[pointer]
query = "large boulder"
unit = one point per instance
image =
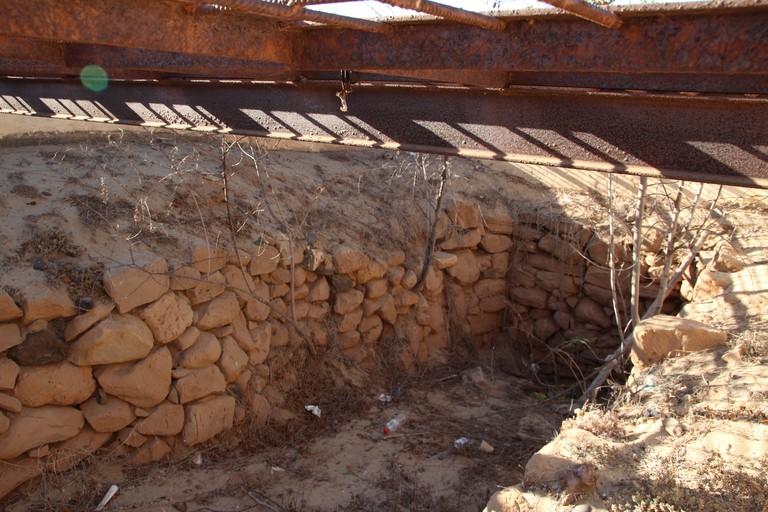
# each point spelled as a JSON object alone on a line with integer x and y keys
{"x": 207, "y": 418}
{"x": 131, "y": 286}
{"x": 116, "y": 339}
{"x": 55, "y": 384}
{"x": 667, "y": 336}
{"x": 143, "y": 383}
{"x": 36, "y": 426}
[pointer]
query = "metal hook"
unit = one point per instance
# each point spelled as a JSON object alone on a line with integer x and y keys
{"x": 346, "y": 88}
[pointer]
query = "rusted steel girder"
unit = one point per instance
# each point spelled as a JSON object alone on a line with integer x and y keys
{"x": 719, "y": 139}
{"x": 698, "y": 47}
{"x": 684, "y": 47}
{"x": 161, "y": 26}
{"x": 587, "y": 11}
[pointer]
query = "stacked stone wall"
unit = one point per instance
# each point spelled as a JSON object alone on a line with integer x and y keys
{"x": 177, "y": 356}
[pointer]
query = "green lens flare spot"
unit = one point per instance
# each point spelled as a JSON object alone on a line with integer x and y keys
{"x": 94, "y": 78}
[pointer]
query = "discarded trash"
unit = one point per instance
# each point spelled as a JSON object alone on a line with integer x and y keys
{"x": 485, "y": 447}
{"x": 538, "y": 395}
{"x": 385, "y": 398}
{"x": 197, "y": 460}
{"x": 110, "y": 493}
{"x": 651, "y": 411}
{"x": 314, "y": 409}
{"x": 394, "y": 423}
{"x": 460, "y": 443}
{"x": 397, "y": 391}
{"x": 276, "y": 469}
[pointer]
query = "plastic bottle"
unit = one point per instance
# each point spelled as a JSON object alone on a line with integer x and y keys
{"x": 394, "y": 423}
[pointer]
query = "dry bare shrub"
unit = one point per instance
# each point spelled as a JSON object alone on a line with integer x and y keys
{"x": 50, "y": 243}
{"x": 601, "y": 422}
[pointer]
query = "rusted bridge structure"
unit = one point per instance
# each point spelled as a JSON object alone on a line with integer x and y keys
{"x": 677, "y": 90}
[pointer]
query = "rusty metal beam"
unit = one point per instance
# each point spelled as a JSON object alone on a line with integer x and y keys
{"x": 686, "y": 41}
{"x": 296, "y": 12}
{"x": 160, "y": 26}
{"x": 715, "y": 138}
{"x": 31, "y": 50}
{"x": 587, "y": 11}
{"x": 449, "y": 13}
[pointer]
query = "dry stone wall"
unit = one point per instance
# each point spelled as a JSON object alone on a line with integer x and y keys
{"x": 179, "y": 355}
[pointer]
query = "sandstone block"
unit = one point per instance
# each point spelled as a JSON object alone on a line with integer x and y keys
{"x": 483, "y": 323}
{"x": 5, "y": 423}
{"x": 116, "y": 339}
{"x": 207, "y": 288}
{"x": 443, "y": 260}
{"x": 653, "y": 237}
{"x": 133, "y": 286}
{"x": 144, "y": 383}
{"x": 552, "y": 281}
{"x": 152, "y": 451}
{"x": 500, "y": 224}
{"x": 349, "y": 321}
{"x": 264, "y": 259}
{"x": 239, "y": 257}
{"x": 168, "y": 317}
{"x": 388, "y": 310}
{"x": 166, "y": 420}
{"x": 493, "y": 243}
{"x": 349, "y": 339}
{"x": 10, "y": 336}
{"x": 81, "y": 323}
{"x": 320, "y": 291}
{"x": 205, "y": 352}
{"x": 348, "y": 301}
{"x": 8, "y": 308}
{"x": 458, "y": 238}
{"x": 262, "y": 337}
{"x": 43, "y": 303}
{"x": 409, "y": 279}
{"x": 395, "y": 275}
{"x": 72, "y": 451}
{"x": 374, "y": 270}
{"x": 533, "y": 297}
{"x": 602, "y": 277}
{"x": 36, "y": 426}
{"x": 544, "y": 327}
{"x": 187, "y": 338}
{"x": 218, "y": 312}
{"x": 261, "y": 410}
{"x": 54, "y": 384}
{"x": 10, "y": 403}
{"x": 465, "y": 215}
{"x": 406, "y": 298}
{"x": 545, "y": 262}
{"x": 239, "y": 281}
{"x": 257, "y": 309}
{"x": 370, "y": 328}
{"x": 589, "y": 311}
{"x": 131, "y": 437}
{"x": 111, "y": 416}
{"x": 466, "y": 270}
{"x": 599, "y": 249}
{"x": 347, "y": 260}
{"x": 200, "y": 383}
{"x": 207, "y": 418}
{"x": 233, "y": 359}
{"x": 376, "y": 288}
{"x": 184, "y": 278}
{"x": 9, "y": 371}
{"x": 490, "y": 288}
{"x": 207, "y": 259}
{"x": 559, "y": 248}
{"x": 280, "y": 335}
{"x": 492, "y": 304}
{"x": 669, "y": 336}
{"x": 434, "y": 281}
{"x": 16, "y": 472}
{"x": 564, "y": 320}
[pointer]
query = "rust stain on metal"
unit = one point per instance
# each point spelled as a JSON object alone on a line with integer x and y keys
{"x": 587, "y": 11}
{"x": 449, "y": 13}
{"x": 159, "y": 26}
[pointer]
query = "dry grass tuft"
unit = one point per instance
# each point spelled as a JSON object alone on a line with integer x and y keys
{"x": 51, "y": 243}
{"x": 601, "y": 422}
